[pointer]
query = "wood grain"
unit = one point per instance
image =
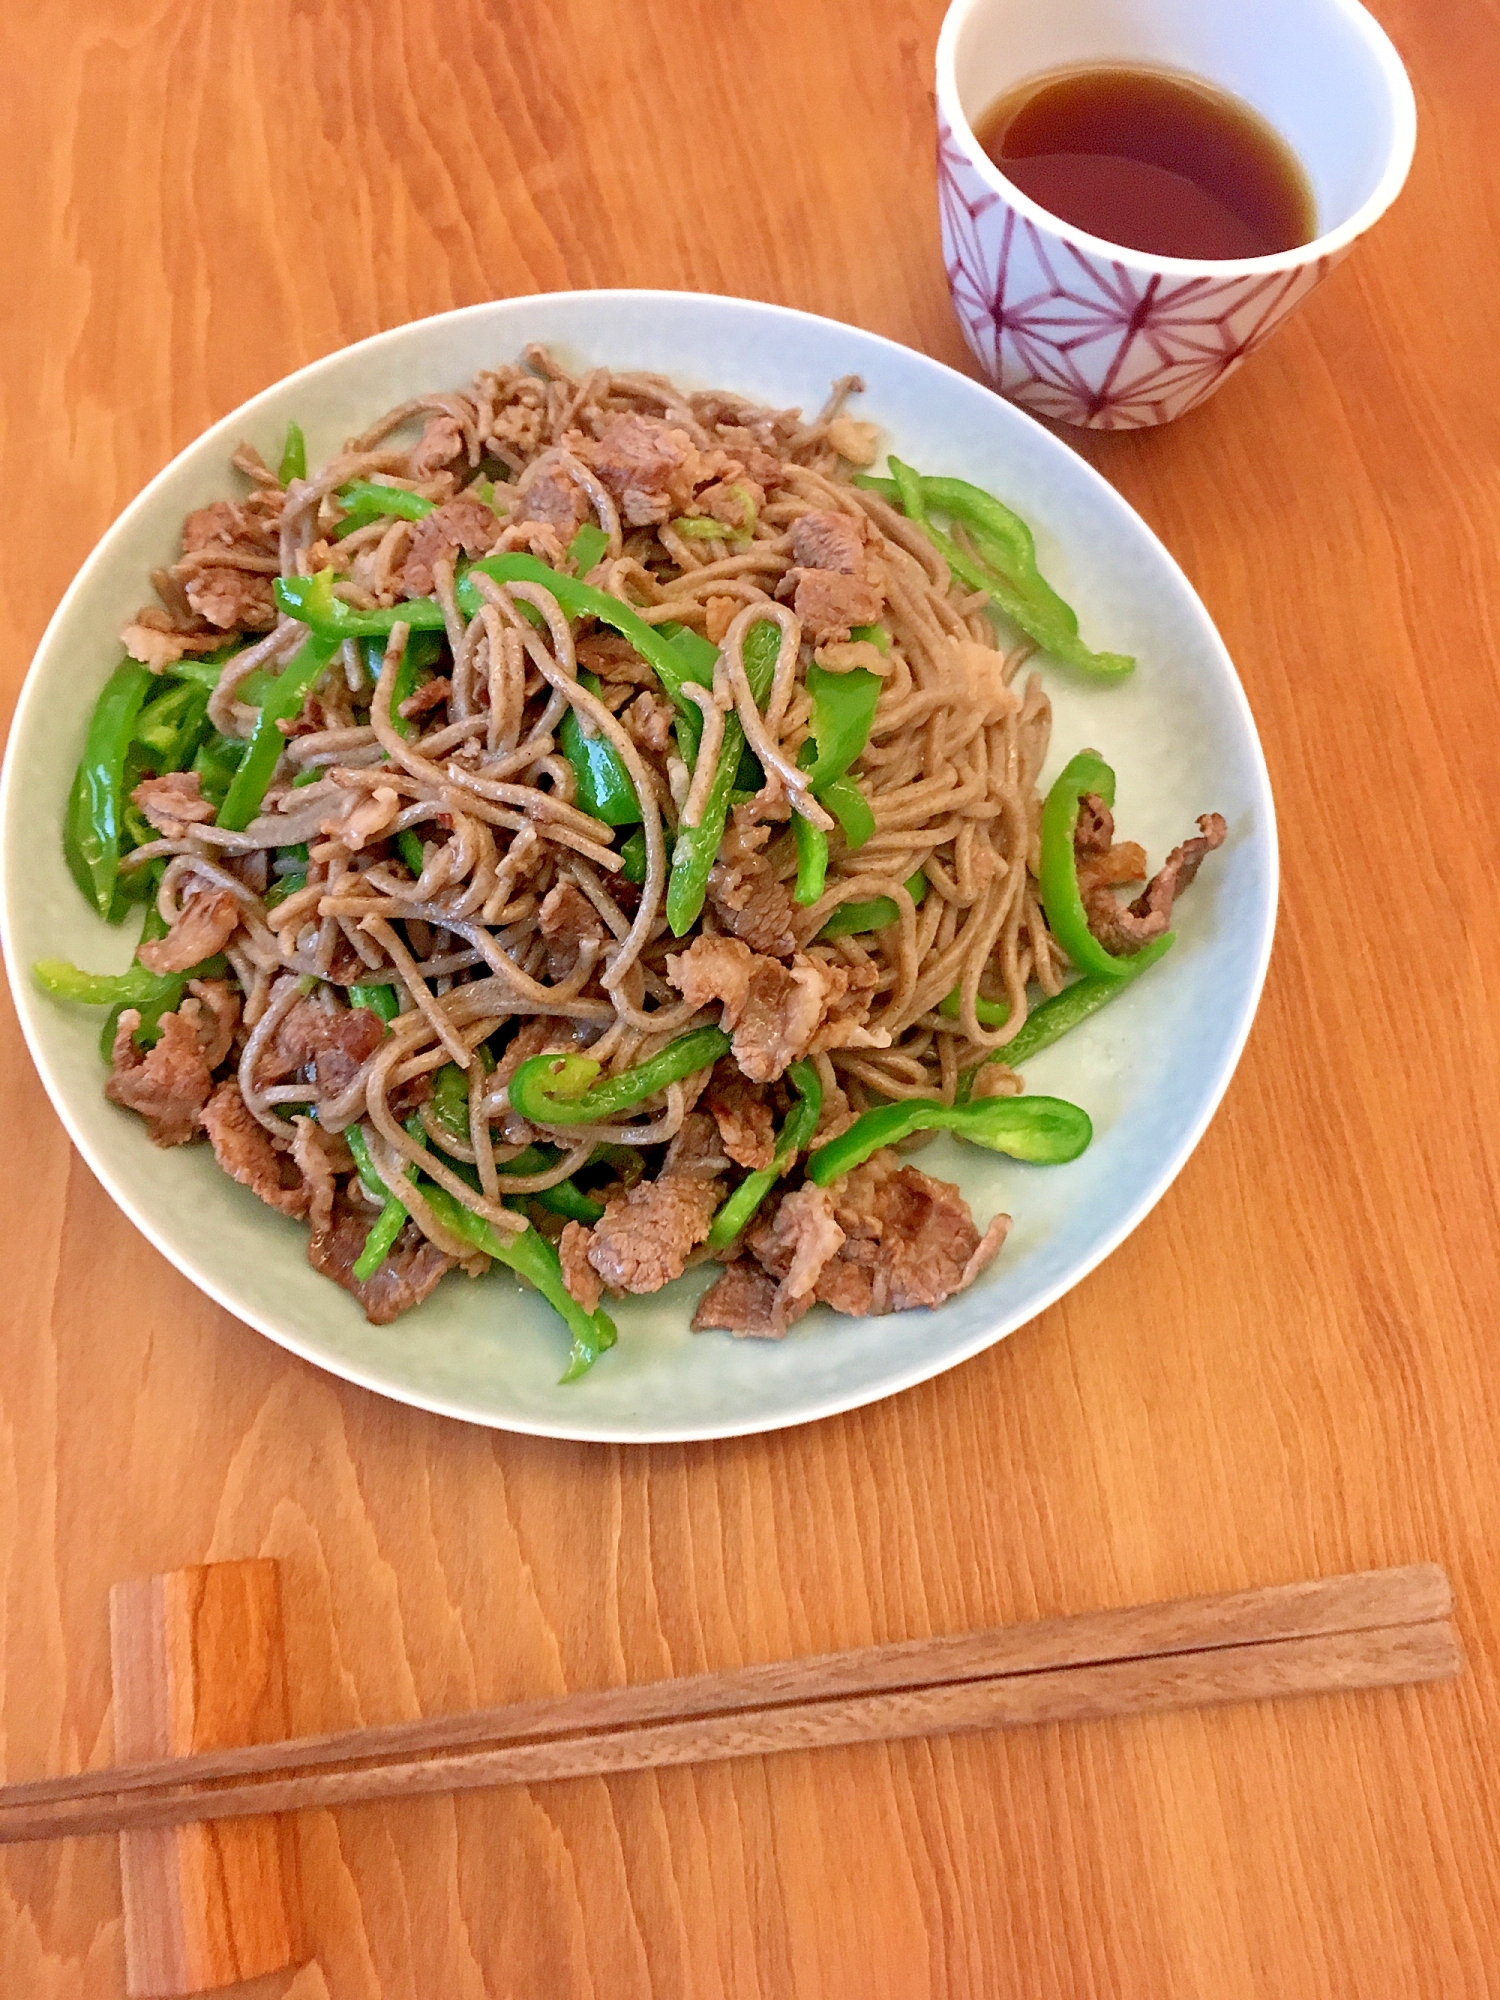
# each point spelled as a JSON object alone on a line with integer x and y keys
{"x": 198, "y": 1664}
{"x": 1291, "y": 1369}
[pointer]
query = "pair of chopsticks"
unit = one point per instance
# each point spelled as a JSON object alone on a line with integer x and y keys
{"x": 1376, "y": 1628}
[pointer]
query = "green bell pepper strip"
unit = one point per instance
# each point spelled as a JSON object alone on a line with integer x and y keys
{"x": 293, "y": 456}
{"x": 532, "y": 1257}
{"x": 1003, "y": 540}
{"x": 216, "y": 760}
{"x": 988, "y": 1013}
{"x": 171, "y": 726}
{"x": 605, "y": 788}
{"x": 422, "y": 652}
{"x": 843, "y": 708}
{"x": 794, "y": 1137}
{"x": 873, "y": 635}
{"x": 381, "y": 1000}
{"x": 1058, "y": 873}
{"x": 450, "y": 1101}
{"x": 564, "y": 1198}
{"x": 812, "y": 861}
{"x": 633, "y": 858}
{"x": 1050, "y": 622}
{"x": 696, "y": 848}
{"x": 671, "y": 665}
{"x": 248, "y": 787}
{"x": 91, "y": 838}
{"x": 134, "y": 987}
{"x": 1045, "y": 1130}
{"x": 851, "y": 809}
{"x": 1064, "y": 1011}
{"x": 874, "y": 915}
{"x": 529, "y": 1254}
{"x": 409, "y": 847}
{"x": 388, "y": 1225}
{"x": 204, "y": 668}
{"x": 587, "y": 548}
{"x": 311, "y": 601}
{"x": 561, "y": 1090}
{"x": 365, "y": 500}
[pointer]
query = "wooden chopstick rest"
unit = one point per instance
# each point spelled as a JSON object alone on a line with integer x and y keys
{"x": 198, "y": 1665}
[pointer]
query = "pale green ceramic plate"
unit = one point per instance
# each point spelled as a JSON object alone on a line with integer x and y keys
{"x": 1150, "y": 1069}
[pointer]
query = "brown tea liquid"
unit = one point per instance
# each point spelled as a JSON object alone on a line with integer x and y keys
{"x": 1151, "y": 159}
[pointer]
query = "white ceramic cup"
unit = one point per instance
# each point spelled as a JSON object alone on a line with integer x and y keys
{"x": 1088, "y": 332}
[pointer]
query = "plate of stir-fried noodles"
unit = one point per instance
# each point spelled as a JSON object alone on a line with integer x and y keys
{"x": 634, "y": 866}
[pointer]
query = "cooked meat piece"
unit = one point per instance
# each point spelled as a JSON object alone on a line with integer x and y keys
{"x": 408, "y": 1275}
{"x": 243, "y": 1149}
{"x": 776, "y": 1013}
{"x": 830, "y": 606}
{"x": 156, "y": 642}
{"x": 854, "y": 440}
{"x": 363, "y": 817}
{"x": 168, "y": 1084}
{"x": 466, "y": 525}
{"x": 316, "y": 1169}
{"x": 441, "y": 443}
{"x": 643, "y": 1239}
{"x": 568, "y": 921}
{"x": 649, "y": 721}
{"x": 207, "y": 921}
{"x": 733, "y": 500}
{"x": 744, "y": 892}
{"x": 909, "y": 1240}
{"x": 213, "y": 1007}
{"x": 696, "y": 1149}
{"x": 242, "y": 527}
{"x": 742, "y": 1302}
{"x": 648, "y": 465}
{"x": 551, "y": 495}
{"x": 794, "y": 1244}
{"x": 173, "y": 804}
{"x": 579, "y": 1275}
{"x": 1125, "y": 930}
{"x": 431, "y": 694}
{"x": 328, "y": 1044}
{"x": 1100, "y": 858}
{"x": 824, "y": 539}
{"x": 746, "y": 1128}
{"x": 236, "y": 600}
{"x": 719, "y": 613}
{"x": 836, "y": 587}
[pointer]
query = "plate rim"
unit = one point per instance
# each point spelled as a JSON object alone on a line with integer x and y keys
{"x": 28, "y": 1000}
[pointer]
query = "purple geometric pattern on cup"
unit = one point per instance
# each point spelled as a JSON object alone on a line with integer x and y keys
{"x": 1081, "y": 338}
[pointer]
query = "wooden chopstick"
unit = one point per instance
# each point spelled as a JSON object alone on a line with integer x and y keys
{"x": 1371, "y": 1629}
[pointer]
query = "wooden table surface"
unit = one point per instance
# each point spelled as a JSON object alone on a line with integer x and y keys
{"x": 1289, "y": 1370}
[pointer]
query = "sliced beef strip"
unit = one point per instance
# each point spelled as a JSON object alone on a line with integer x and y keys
{"x": 747, "y": 1128}
{"x": 1125, "y": 929}
{"x": 408, "y": 1275}
{"x": 835, "y": 584}
{"x": 551, "y": 495}
{"x": 793, "y": 1244}
{"x": 696, "y": 1149}
{"x": 243, "y": 1149}
{"x": 462, "y": 524}
{"x": 329, "y": 1044}
{"x": 228, "y": 597}
{"x": 174, "y": 804}
{"x": 568, "y": 921}
{"x": 742, "y": 1302}
{"x": 207, "y": 921}
{"x": 649, "y": 465}
{"x": 773, "y": 1012}
{"x": 644, "y": 1238}
{"x": 909, "y": 1240}
{"x": 169, "y": 1084}
{"x": 579, "y": 1275}
{"x": 746, "y": 896}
